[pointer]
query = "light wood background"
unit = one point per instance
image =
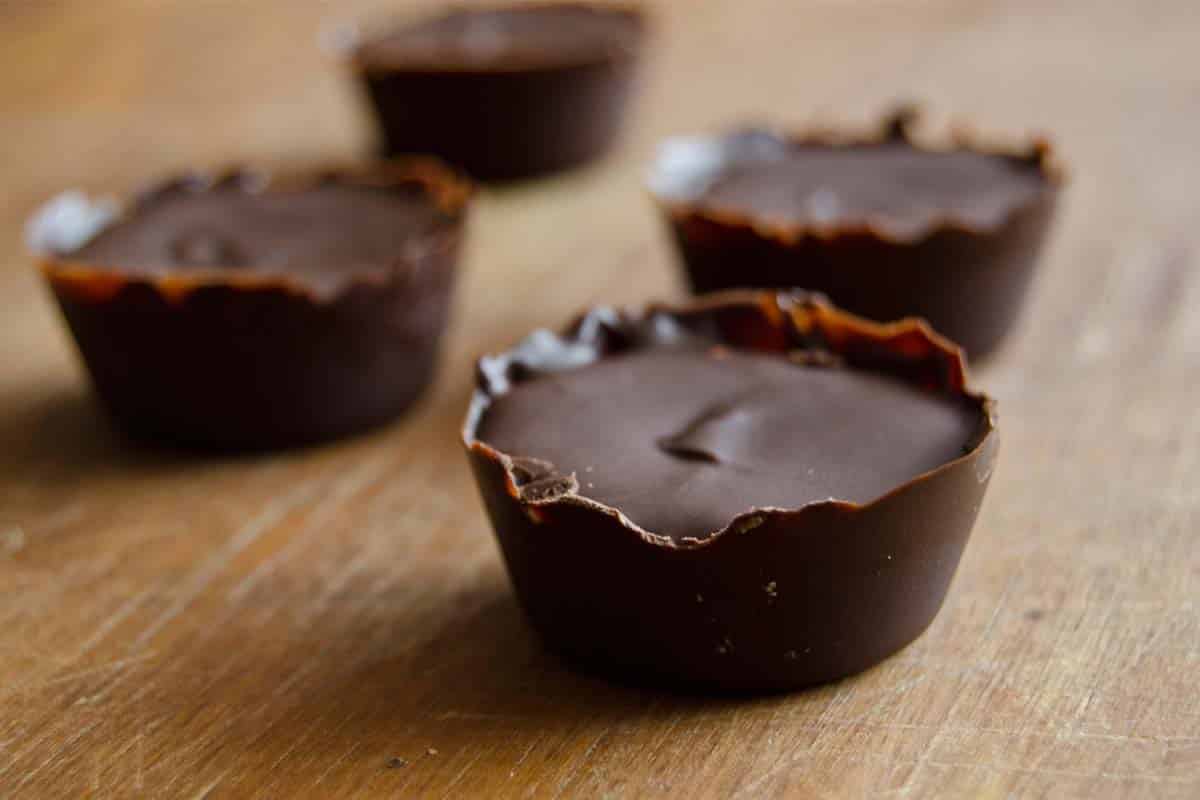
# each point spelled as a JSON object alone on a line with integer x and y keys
{"x": 337, "y": 622}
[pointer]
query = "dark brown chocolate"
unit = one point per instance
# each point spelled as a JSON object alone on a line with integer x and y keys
{"x": 327, "y": 232}
{"x": 803, "y": 580}
{"x": 885, "y": 227}
{"x": 683, "y": 439}
{"x": 504, "y": 92}
{"x": 247, "y": 311}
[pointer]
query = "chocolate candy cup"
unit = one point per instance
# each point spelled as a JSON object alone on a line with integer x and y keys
{"x": 778, "y": 599}
{"x": 229, "y": 358}
{"x": 512, "y": 117}
{"x": 967, "y": 279}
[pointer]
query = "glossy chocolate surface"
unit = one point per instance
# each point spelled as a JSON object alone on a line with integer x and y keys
{"x": 891, "y": 185}
{"x": 504, "y": 38}
{"x": 328, "y": 229}
{"x": 683, "y": 439}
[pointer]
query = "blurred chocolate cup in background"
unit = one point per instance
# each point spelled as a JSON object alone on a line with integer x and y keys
{"x": 503, "y": 92}
{"x": 250, "y": 310}
{"x": 884, "y": 226}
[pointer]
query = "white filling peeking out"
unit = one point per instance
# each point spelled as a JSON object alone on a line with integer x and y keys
{"x": 68, "y": 222}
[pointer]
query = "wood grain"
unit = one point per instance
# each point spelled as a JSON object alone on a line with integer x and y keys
{"x": 336, "y": 622}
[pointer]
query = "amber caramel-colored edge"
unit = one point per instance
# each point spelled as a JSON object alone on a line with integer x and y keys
{"x": 1037, "y": 151}
{"x": 450, "y": 191}
{"x": 786, "y": 313}
{"x": 635, "y": 14}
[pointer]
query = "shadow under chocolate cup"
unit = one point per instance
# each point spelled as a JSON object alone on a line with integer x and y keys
{"x": 503, "y": 92}
{"x": 250, "y": 310}
{"x": 779, "y": 594}
{"x": 886, "y": 227}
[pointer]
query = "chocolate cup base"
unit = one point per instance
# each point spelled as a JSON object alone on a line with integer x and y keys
{"x": 229, "y": 369}
{"x": 970, "y": 286}
{"x": 723, "y": 620}
{"x": 504, "y": 126}
{"x": 639, "y": 677}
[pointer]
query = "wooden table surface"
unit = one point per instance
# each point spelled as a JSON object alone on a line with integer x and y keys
{"x": 337, "y": 622}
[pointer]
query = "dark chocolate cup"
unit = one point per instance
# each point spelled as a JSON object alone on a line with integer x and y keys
{"x": 507, "y": 123}
{"x": 780, "y": 598}
{"x": 969, "y": 281}
{"x": 231, "y": 359}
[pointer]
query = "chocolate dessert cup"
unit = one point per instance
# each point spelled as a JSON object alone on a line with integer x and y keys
{"x": 247, "y": 311}
{"x": 504, "y": 92}
{"x": 785, "y": 593}
{"x": 885, "y": 226}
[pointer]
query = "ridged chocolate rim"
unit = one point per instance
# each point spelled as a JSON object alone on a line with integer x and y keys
{"x": 778, "y": 322}
{"x": 675, "y": 190}
{"x": 70, "y": 220}
{"x": 347, "y": 40}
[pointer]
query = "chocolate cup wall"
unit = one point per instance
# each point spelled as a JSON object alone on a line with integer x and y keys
{"x": 781, "y": 599}
{"x": 970, "y": 285}
{"x": 504, "y": 125}
{"x": 234, "y": 359}
{"x": 231, "y": 368}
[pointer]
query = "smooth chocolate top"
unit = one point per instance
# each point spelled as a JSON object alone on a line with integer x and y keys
{"x": 323, "y": 229}
{"x": 683, "y": 439}
{"x": 503, "y": 38}
{"x": 894, "y": 185}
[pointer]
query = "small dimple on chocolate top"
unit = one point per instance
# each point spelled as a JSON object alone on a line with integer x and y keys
{"x": 327, "y": 229}
{"x": 893, "y": 185}
{"x": 504, "y": 37}
{"x": 682, "y": 439}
